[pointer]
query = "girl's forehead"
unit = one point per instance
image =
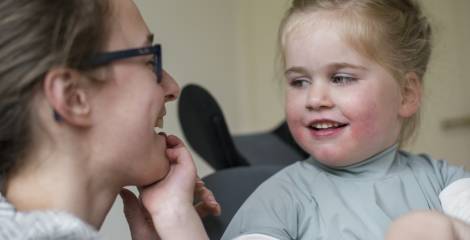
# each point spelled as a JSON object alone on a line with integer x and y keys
{"x": 308, "y": 23}
{"x": 338, "y": 24}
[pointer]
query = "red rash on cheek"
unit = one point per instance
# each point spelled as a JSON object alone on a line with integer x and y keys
{"x": 364, "y": 124}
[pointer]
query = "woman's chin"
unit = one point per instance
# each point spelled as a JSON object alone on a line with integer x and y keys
{"x": 158, "y": 174}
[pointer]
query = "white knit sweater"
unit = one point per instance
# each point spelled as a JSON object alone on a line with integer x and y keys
{"x": 41, "y": 225}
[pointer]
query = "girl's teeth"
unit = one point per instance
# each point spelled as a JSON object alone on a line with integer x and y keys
{"x": 325, "y": 125}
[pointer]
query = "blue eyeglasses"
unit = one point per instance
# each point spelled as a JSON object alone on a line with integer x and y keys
{"x": 108, "y": 57}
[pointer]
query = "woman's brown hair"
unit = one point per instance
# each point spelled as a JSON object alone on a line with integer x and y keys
{"x": 36, "y": 36}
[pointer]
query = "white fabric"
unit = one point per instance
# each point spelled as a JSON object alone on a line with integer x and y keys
{"x": 42, "y": 225}
{"x": 255, "y": 237}
{"x": 455, "y": 199}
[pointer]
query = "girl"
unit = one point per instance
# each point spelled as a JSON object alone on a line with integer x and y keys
{"x": 81, "y": 90}
{"x": 354, "y": 71}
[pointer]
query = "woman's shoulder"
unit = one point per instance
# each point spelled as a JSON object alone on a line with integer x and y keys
{"x": 41, "y": 224}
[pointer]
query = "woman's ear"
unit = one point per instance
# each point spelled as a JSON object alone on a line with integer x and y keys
{"x": 411, "y": 95}
{"x": 67, "y": 94}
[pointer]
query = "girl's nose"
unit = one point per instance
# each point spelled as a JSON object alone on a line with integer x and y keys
{"x": 170, "y": 86}
{"x": 319, "y": 97}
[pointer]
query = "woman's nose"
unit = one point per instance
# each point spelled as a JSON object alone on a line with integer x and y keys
{"x": 170, "y": 86}
{"x": 319, "y": 98}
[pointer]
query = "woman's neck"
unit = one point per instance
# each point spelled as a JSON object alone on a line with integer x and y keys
{"x": 63, "y": 186}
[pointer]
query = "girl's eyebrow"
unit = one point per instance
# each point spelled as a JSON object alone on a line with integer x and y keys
{"x": 299, "y": 70}
{"x": 303, "y": 71}
{"x": 346, "y": 65}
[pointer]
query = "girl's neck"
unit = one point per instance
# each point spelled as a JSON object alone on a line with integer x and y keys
{"x": 61, "y": 186}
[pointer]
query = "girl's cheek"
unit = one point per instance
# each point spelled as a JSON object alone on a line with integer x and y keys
{"x": 365, "y": 123}
{"x": 294, "y": 121}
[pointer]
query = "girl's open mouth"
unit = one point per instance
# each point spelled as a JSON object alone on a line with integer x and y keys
{"x": 323, "y": 125}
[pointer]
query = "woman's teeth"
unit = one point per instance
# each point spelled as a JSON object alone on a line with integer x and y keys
{"x": 159, "y": 123}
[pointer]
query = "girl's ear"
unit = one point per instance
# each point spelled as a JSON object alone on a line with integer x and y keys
{"x": 411, "y": 95}
{"x": 67, "y": 94}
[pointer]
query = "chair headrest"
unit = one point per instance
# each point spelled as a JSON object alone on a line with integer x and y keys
{"x": 205, "y": 129}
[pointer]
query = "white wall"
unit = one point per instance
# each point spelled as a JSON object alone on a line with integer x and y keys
{"x": 447, "y": 84}
{"x": 261, "y": 99}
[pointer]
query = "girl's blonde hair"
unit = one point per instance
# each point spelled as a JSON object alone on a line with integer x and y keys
{"x": 35, "y": 36}
{"x": 394, "y": 33}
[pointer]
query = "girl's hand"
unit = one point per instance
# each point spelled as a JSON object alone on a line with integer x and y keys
{"x": 180, "y": 187}
{"x": 139, "y": 219}
{"x": 169, "y": 202}
{"x": 206, "y": 204}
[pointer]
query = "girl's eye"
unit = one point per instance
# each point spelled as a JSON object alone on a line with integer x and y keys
{"x": 342, "y": 79}
{"x": 298, "y": 83}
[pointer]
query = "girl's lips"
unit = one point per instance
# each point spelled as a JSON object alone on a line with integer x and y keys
{"x": 326, "y": 129}
{"x": 324, "y": 124}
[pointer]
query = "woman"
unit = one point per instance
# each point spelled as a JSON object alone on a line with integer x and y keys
{"x": 81, "y": 89}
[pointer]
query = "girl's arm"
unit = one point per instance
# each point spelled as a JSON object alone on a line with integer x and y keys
{"x": 462, "y": 230}
{"x": 168, "y": 204}
{"x": 429, "y": 226}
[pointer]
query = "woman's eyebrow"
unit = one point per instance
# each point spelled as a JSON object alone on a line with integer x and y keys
{"x": 149, "y": 39}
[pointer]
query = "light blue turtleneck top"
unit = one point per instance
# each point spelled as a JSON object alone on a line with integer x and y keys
{"x": 308, "y": 200}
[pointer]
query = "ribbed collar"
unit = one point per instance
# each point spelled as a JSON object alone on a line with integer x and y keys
{"x": 374, "y": 167}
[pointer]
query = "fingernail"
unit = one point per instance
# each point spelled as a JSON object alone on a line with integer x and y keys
{"x": 199, "y": 184}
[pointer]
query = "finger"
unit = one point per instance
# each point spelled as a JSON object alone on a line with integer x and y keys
{"x": 207, "y": 204}
{"x": 204, "y": 194}
{"x": 179, "y": 155}
{"x": 173, "y": 141}
{"x": 204, "y": 209}
{"x": 136, "y": 217}
{"x": 131, "y": 205}
{"x": 199, "y": 181}
{"x": 199, "y": 186}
